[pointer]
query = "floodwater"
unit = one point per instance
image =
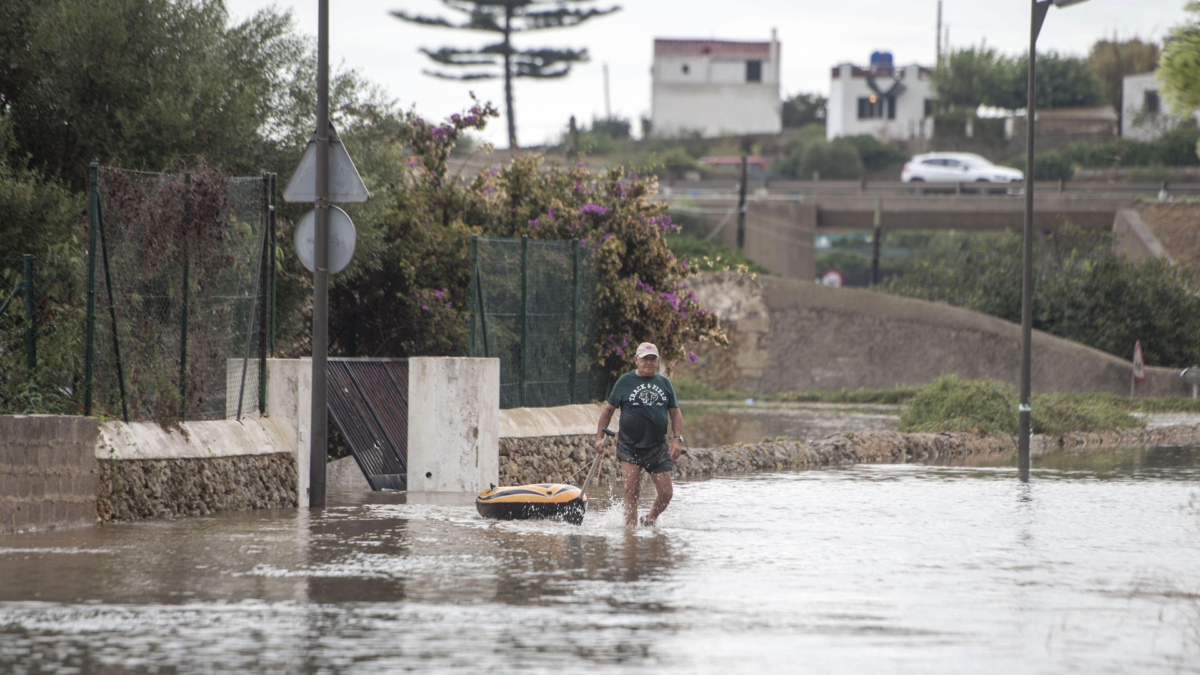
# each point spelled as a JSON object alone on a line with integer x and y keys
{"x": 725, "y": 423}
{"x": 1092, "y": 567}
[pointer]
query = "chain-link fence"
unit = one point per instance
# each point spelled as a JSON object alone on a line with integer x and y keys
{"x": 180, "y": 273}
{"x": 18, "y": 288}
{"x": 532, "y": 306}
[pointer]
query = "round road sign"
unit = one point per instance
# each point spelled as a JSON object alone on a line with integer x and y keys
{"x": 1191, "y": 375}
{"x": 832, "y": 278}
{"x": 342, "y": 239}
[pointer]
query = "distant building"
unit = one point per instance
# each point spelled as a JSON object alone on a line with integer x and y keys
{"x": 881, "y": 100}
{"x": 715, "y": 87}
{"x": 1145, "y": 116}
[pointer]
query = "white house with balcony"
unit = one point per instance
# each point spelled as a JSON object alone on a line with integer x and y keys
{"x": 1144, "y": 115}
{"x": 715, "y": 87}
{"x": 882, "y": 100}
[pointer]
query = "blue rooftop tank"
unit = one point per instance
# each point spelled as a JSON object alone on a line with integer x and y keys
{"x": 881, "y": 59}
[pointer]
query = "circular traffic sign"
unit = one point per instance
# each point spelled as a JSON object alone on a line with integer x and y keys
{"x": 342, "y": 239}
{"x": 832, "y": 278}
{"x": 1191, "y": 375}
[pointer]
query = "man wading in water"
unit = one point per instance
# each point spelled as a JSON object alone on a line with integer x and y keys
{"x": 645, "y": 399}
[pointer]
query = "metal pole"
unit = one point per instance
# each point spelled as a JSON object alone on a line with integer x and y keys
{"x": 741, "y": 231}
{"x": 1023, "y": 410}
{"x": 875, "y": 242}
{"x": 524, "y": 318}
{"x": 112, "y": 313}
{"x": 320, "y": 328}
{"x": 472, "y": 294}
{"x": 90, "y": 329}
{"x": 262, "y": 243}
{"x": 274, "y": 201}
{"x": 574, "y": 319}
{"x": 264, "y": 287}
{"x": 30, "y": 329}
{"x": 183, "y": 313}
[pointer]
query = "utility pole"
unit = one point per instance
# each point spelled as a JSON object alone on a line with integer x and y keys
{"x": 741, "y": 231}
{"x": 320, "y": 328}
{"x": 607, "y": 100}
{"x": 875, "y": 237}
{"x": 938, "y": 62}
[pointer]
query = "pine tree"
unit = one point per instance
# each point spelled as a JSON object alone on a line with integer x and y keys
{"x": 507, "y": 17}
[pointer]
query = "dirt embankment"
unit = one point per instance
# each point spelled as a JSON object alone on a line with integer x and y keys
{"x": 1177, "y": 227}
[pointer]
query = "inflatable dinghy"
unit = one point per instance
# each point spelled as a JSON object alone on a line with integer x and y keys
{"x": 533, "y": 502}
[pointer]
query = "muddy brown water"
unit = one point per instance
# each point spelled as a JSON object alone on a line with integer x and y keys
{"x": 1092, "y": 567}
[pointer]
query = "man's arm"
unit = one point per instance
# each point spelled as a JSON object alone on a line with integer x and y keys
{"x": 677, "y": 425}
{"x": 606, "y": 416}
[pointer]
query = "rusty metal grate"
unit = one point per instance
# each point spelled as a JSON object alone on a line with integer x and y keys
{"x": 368, "y": 399}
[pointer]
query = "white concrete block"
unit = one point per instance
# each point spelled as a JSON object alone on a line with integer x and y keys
{"x": 289, "y": 406}
{"x": 453, "y": 424}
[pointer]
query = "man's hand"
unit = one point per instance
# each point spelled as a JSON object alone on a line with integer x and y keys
{"x": 600, "y": 445}
{"x": 676, "y": 448}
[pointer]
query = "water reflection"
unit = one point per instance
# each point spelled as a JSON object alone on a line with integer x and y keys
{"x": 710, "y": 425}
{"x": 903, "y": 568}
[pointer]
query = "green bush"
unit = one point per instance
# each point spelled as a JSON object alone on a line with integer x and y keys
{"x": 876, "y": 154}
{"x": 831, "y": 161}
{"x": 1053, "y": 165}
{"x": 693, "y": 250}
{"x": 986, "y": 406}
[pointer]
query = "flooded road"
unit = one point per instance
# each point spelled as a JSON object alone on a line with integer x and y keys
{"x": 725, "y": 423}
{"x": 1093, "y": 567}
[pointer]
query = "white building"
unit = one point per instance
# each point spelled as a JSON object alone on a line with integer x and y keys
{"x": 882, "y": 100}
{"x": 715, "y": 87}
{"x": 1144, "y": 115}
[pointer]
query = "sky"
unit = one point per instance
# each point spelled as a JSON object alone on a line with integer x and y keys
{"x": 814, "y": 36}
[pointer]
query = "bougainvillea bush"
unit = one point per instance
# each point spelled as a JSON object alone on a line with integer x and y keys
{"x": 410, "y": 296}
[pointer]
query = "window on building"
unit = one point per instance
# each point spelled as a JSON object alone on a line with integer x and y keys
{"x": 1150, "y": 103}
{"x": 685, "y": 69}
{"x": 930, "y": 107}
{"x": 876, "y": 108}
{"x": 754, "y": 71}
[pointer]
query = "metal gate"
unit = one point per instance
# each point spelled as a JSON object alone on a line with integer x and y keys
{"x": 368, "y": 400}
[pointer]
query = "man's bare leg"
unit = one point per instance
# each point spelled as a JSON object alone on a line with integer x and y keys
{"x": 633, "y": 487}
{"x": 662, "y": 484}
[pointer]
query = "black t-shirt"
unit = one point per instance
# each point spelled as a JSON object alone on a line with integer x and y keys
{"x": 644, "y": 402}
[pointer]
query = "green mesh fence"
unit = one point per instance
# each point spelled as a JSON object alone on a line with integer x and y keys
{"x": 532, "y": 307}
{"x": 178, "y": 273}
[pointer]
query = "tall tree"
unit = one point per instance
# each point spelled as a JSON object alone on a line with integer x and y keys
{"x": 804, "y": 109}
{"x": 969, "y": 78}
{"x": 1114, "y": 59}
{"x": 1179, "y": 70}
{"x": 500, "y": 59}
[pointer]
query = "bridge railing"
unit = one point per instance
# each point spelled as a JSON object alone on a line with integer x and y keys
{"x": 721, "y": 189}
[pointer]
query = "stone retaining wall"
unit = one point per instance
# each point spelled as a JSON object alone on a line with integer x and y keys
{"x": 163, "y": 488}
{"x": 47, "y": 472}
{"x": 563, "y": 459}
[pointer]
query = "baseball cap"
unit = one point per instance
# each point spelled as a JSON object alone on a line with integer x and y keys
{"x": 646, "y": 349}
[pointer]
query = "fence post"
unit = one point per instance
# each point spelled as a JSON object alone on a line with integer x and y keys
{"x": 875, "y": 243}
{"x": 264, "y": 289}
{"x": 90, "y": 322}
{"x": 112, "y": 312}
{"x": 574, "y": 318}
{"x": 30, "y": 329}
{"x": 524, "y": 317}
{"x": 471, "y": 293}
{"x": 183, "y": 313}
{"x": 271, "y": 212}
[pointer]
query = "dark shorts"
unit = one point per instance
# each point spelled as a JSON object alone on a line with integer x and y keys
{"x": 653, "y": 460}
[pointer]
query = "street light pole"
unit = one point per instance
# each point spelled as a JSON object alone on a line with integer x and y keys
{"x": 1038, "y": 9}
{"x": 320, "y": 325}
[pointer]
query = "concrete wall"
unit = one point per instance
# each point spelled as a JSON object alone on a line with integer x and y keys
{"x": 1140, "y": 124}
{"x": 289, "y": 405}
{"x": 453, "y": 424}
{"x": 788, "y": 335}
{"x": 1132, "y": 239}
{"x": 48, "y": 475}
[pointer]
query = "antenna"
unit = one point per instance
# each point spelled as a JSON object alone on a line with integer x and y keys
{"x": 939, "y": 34}
{"x": 607, "y": 105}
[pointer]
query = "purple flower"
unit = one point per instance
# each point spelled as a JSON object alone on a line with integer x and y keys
{"x": 439, "y": 293}
{"x": 593, "y": 209}
{"x": 692, "y": 358}
{"x": 425, "y": 307}
{"x": 607, "y": 236}
{"x": 579, "y": 165}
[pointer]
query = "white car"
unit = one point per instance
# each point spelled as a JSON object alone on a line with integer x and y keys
{"x": 956, "y": 167}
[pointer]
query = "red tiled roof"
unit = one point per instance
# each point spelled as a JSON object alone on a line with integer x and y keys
{"x": 717, "y": 48}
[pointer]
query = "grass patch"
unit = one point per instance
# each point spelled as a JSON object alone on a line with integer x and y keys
{"x": 986, "y": 406}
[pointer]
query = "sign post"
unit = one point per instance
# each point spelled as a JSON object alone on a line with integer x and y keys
{"x": 325, "y": 164}
{"x": 1139, "y": 368}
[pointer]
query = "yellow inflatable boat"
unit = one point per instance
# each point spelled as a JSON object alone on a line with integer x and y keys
{"x": 533, "y": 502}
